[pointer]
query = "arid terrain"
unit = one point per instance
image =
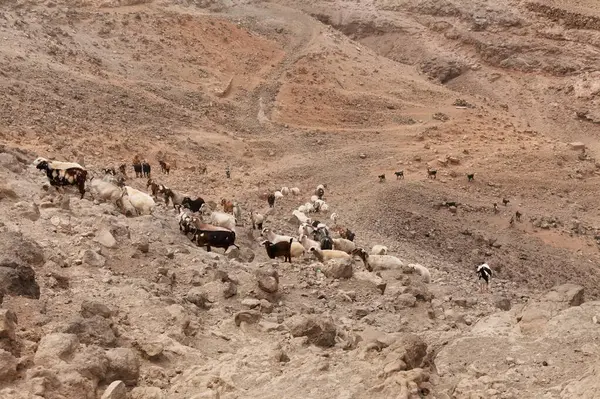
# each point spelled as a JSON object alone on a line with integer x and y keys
{"x": 94, "y": 304}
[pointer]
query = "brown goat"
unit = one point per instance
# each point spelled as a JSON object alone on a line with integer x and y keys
{"x": 227, "y": 206}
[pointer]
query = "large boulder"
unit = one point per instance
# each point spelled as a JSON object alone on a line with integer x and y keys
{"x": 123, "y": 364}
{"x": 268, "y": 280}
{"x": 18, "y": 256}
{"x": 338, "y": 269}
{"x": 319, "y": 331}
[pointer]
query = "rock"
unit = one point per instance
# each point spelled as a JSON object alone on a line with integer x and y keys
{"x": 266, "y": 306}
{"x": 94, "y": 330}
{"x": 247, "y": 316}
{"x": 319, "y": 331}
{"x": 147, "y": 393}
{"x": 280, "y": 356}
{"x": 503, "y": 304}
{"x": 229, "y": 289}
{"x": 7, "y": 193}
{"x": 453, "y": 160}
{"x": 8, "y": 366}
{"x": 152, "y": 350}
{"x": 116, "y": 390}
{"x": 92, "y": 258}
{"x": 198, "y": 297}
{"x": 371, "y": 278}
{"x": 568, "y": 293}
{"x": 359, "y": 313}
{"x": 123, "y": 364}
{"x": 143, "y": 246}
{"x": 243, "y": 255}
{"x": 577, "y": 145}
{"x": 91, "y": 308}
{"x": 341, "y": 269}
{"x": 251, "y": 303}
{"x": 8, "y": 324}
{"x": 105, "y": 238}
{"x": 54, "y": 348}
{"x": 27, "y": 210}
{"x": 406, "y": 300}
{"x": 19, "y": 280}
{"x": 268, "y": 280}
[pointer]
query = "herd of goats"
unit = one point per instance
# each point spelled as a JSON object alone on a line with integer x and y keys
{"x": 313, "y": 237}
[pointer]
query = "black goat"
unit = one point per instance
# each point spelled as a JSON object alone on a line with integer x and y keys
{"x": 282, "y": 248}
{"x": 271, "y": 200}
{"x": 146, "y": 169}
{"x": 192, "y": 205}
{"x": 399, "y": 174}
{"x": 470, "y": 176}
{"x": 431, "y": 173}
{"x": 137, "y": 167}
{"x": 505, "y": 201}
{"x": 381, "y": 178}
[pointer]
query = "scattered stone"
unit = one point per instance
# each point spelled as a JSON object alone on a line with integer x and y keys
{"x": 116, "y": 390}
{"x": 147, "y": 393}
{"x": 268, "y": 281}
{"x": 371, "y": 278}
{"x": 361, "y": 312}
{"x": 280, "y": 356}
{"x": 105, "y": 238}
{"x": 94, "y": 330}
{"x": 266, "y": 306}
{"x": 319, "y": 331}
{"x": 55, "y": 347}
{"x": 230, "y": 289}
{"x": 503, "y": 304}
{"x": 362, "y": 155}
{"x": 8, "y": 366}
{"x": 198, "y": 297}
{"x": 124, "y": 364}
{"x": 93, "y": 258}
{"x": 577, "y": 145}
{"x": 406, "y": 300}
{"x": 251, "y": 303}
{"x": 151, "y": 350}
{"x": 91, "y": 308}
{"x": 246, "y": 316}
{"x": 341, "y": 269}
{"x": 27, "y": 210}
{"x": 143, "y": 246}
{"x": 8, "y": 324}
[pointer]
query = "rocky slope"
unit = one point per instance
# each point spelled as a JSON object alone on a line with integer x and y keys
{"x": 94, "y": 304}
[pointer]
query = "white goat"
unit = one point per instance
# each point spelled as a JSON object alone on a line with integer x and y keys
{"x": 323, "y": 255}
{"x": 105, "y": 190}
{"x": 302, "y": 218}
{"x": 334, "y": 217}
{"x": 422, "y": 271}
{"x": 342, "y": 244}
{"x": 142, "y": 202}
{"x": 218, "y": 218}
{"x": 307, "y": 243}
{"x": 278, "y": 195}
{"x": 275, "y": 238}
{"x": 379, "y": 250}
{"x": 379, "y": 262}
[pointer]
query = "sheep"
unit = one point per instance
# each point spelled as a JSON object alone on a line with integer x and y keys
{"x": 219, "y": 218}
{"x": 307, "y": 243}
{"x": 421, "y": 270}
{"x": 313, "y": 198}
{"x": 279, "y": 249}
{"x": 470, "y": 176}
{"x": 378, "y": 262}
{"x": 257, "y": 220}
{"x": 431, "y": 173}
{"x": 379, "y": 250}
{"x": 237, "y": 212}
{"x": 227, "y": 205}
{"x": 145, "y": 169}
{"x": 63, "y": 173}
{"x": 274, "y": 238}
{"x": 399, "y": 174}
{"x": 295, "y": 191}
{"x": 381, "y": 178}
{"x": 285, "y": 191}
{"x": 271, "y": 200}
{"x": 309, "y": 208}
{"x": 323, "y": 255}
{"x": 324, "y": 208}
{"x": 302, "y": 218}
{"x": 105, "y": 190}
{"x": 297, "y": 250}
{"x": 485, "y": 273}
{"x": 142, "y": 202}
{"x": 278, "y": 195}
{"x": 342, "y": 244}
{"x": 164, "y": 167}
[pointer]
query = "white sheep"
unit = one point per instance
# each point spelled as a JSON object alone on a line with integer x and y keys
{"x": 379, "y": 262}
{"x": 142, "y": 202}
{"x": 334, "y": 217}
{"x": 422, "y": 271}
{"x": 309, "y": 208}
{"x": 314, "y": 199}
{"x": 285, "y": 190}
{"x": 302, "y": 218}
{"x": 296, "y": 250}
{"x": 295, "y": 191}
{"x": 105, "y": 190}
{"x": 323, "y": 255}
{"x": 324, "y": 208}
{"x": 218, "y": 218}
{"x": 307, "y": 243}
{"x": 342, "y": 244}
{"x": 302, "y": 208}
{"x": 379, "y": 250}
{"x": 275, "y": 238}
{"x": 278, "y": 195}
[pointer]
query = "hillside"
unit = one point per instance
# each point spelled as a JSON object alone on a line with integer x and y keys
{"x": 298, "y": 94}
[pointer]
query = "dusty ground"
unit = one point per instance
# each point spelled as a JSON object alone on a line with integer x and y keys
{"x": 291, "y": 93}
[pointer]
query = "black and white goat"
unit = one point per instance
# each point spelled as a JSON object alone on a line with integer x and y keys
{"x": 485, "y": 273}
{"x": 63, "y": 173}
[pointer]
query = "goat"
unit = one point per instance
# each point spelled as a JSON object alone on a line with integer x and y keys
{"x": 63, "y": 173}
{"x": 122, "y": 169}
{"x": 145, "y": 169}
{"x": 207, "y": 235}
{"x": 227, "y": 206}
{"x": 378, "y": 262}
{"x": 164, "y": 167}
{"x": 257, "y": 220}
{"x": 485, "y": 273}
{"x": 176, "y": 198}
{"x": 381, "y": 178}
{"x": 192, "y": 205}
{"x": 282, "y": 248}
{"x": 505, "y": 201}
{"x": 399, "y": 174}
{"x": 109, "y": 171}
{"x": 323, "y": 255}
{"x": 431, "y": 173}
{"x": 496, "y": 210}
{"x": 271, "y": 200}
{"x": 154, "y": 188}
{"x": 518, "y": 216}
{"x": 470, "y": 176}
